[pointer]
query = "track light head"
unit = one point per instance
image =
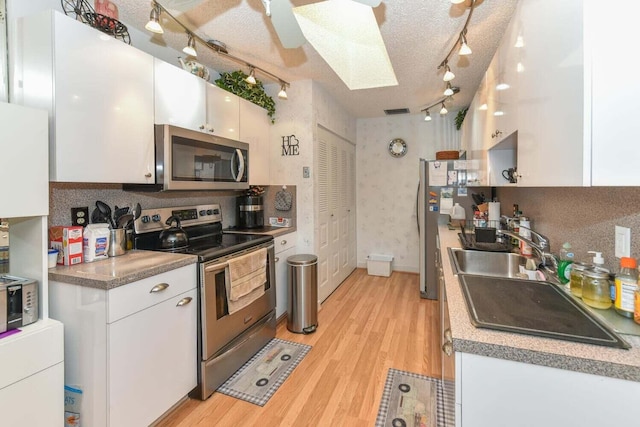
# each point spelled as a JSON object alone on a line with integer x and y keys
{"x": 449, "y": 90}
{"x": 464, "y": 47}
{"x": 154, "y": 21}
{"x": 443, "y": 110}
{"x": 190, "y": 48}
{"x": 283, "y": 91}
{"x": 251, "y": 78}
{"x": 448, "y": 75}
{"x": 427, "y": 117}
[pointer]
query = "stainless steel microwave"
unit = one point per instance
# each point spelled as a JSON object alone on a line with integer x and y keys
{"x": 192, "y": 160}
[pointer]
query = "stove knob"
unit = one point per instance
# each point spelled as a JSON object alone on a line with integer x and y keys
{"x": 145, "y": 219}
{"x": 202, "y": 212}
{"x": 209, "y": 212}
{"x": 155, "y": 218}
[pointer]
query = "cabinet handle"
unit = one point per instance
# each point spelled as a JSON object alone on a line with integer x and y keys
{"x": 147, "y": 175}
{"x": 277, "y": 259}
{"x": 159, "y": 288}
{"x": 284, "y": 242}
{"x": 184, "y": 301}
{"x": 447, "y": 348}
{"x": 201, "y": 127}
{"x": 496, "y": 134}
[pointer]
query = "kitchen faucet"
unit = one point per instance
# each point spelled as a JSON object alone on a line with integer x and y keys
{"x": 541, "y": 245}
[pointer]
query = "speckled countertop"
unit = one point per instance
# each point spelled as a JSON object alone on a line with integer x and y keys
{"x": 585, "y": 358}
{"x": 121, "y": 270}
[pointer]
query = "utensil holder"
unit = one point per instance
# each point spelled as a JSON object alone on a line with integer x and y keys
{"x": 117, "y": 241}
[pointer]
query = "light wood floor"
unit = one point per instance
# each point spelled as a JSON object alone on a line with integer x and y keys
{"x": 368, "y": 325}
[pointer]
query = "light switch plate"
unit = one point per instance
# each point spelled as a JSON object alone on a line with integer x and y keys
{"x": 306, "y": 172}
{"x": 623, "y": 242}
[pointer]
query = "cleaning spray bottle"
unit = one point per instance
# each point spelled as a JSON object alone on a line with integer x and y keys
{"x": 564, "y": 265}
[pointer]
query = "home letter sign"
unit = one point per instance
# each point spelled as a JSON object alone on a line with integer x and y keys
{"x": 290, "y": 146}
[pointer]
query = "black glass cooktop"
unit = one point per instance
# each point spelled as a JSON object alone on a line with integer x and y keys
{"x": 533, "y": 308}
{"x": 206, "y": 243}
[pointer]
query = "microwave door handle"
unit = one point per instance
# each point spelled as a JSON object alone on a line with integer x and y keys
{"x": 240, "y": 174}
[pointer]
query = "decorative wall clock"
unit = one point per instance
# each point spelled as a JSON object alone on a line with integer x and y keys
{"x": 397, "y": 147}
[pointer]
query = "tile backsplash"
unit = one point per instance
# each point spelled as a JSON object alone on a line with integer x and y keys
{"x": 584, "y": 217}
{"x": 64, "y": 196}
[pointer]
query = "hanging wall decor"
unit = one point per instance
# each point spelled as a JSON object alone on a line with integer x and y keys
{"x": 290, "y": 146}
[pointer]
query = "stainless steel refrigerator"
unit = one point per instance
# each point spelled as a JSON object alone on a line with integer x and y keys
{"x": 442, "y": 184}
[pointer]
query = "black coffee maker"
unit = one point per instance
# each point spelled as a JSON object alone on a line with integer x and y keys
{"x": 250, "y": 211}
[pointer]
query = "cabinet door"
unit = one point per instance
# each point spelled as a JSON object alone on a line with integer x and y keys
{"x": 615, "y": 125}
{"x": 282, "y": 281}
{"x": 551, "y": 109}
{"x": 152, "y": 360}
{"x": 223, "y": 113}
{"x": 25, "y": 144}
{"x": 179, "y": 97}
{"x": 254, "y": 130}
{"x": 103, "y": 113}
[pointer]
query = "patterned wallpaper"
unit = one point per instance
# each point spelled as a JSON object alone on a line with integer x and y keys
{"x": 387, "y": 186}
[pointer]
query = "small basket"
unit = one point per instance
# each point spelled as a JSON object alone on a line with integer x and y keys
{"x": 447, "y": 155}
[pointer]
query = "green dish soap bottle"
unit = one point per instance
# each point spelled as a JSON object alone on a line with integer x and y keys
{"x": 564, "y": 265}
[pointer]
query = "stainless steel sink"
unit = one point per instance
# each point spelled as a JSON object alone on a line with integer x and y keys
{"x": 496, "y": 264}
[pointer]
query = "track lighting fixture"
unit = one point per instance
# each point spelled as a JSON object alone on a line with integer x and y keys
{"x": 427, "y": 117}
{"x": 464, "y": 47}
{"x": 251, "y": 78}
{"x": 215, "y": 45}
{"x": 449, "y": 90}
{"x": 190, "y": 48}
{"x": 448, "y": 74}
{"x": 154, "y": 20}
{"x": 464, "y": 50}
{"x": 283, "y": 91}
{"x": 443, "y": 110}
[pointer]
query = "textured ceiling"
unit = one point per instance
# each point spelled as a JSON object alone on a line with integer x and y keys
{"x": 418, "y": 34}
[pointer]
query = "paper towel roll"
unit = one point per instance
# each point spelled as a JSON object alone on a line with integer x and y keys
{"x": 494, "y": 212}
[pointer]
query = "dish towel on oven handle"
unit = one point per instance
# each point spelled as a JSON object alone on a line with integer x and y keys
{"x": 247, "y": 276}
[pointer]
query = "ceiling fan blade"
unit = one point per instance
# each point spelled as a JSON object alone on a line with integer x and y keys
{"x": 372, "y": 3}
{"x": 285, "y": 24}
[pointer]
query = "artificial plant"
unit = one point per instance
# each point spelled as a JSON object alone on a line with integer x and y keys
{"x": 235, "y": 83}
{"x": 460, "y": 117}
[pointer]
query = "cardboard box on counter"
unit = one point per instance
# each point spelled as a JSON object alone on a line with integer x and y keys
{"x": 67, "y": 239}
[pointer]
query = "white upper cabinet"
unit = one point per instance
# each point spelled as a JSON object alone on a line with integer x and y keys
{"x": 615, "y": 91}
{"x": 180, "y": 97}
{"x": 254, "y": 130}
{"x": 24, "y": 137}
{"x": 223, "y": 112}
{"x": 99, "y": 94}
{"x": 551, "y": 95}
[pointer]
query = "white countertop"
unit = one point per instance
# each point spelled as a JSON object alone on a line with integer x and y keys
{"x": 592, "y": 359}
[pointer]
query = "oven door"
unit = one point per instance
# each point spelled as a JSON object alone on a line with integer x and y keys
{"x": 190, "y": 160}
{"x": 218, "y": 326}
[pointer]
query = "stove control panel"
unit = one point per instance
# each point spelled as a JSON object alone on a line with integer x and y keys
{"x": 154, "y": 219}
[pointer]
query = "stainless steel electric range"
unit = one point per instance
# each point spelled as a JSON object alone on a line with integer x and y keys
{"x": 226, "y": 338}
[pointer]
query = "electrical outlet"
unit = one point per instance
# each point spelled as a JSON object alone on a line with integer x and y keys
{"x": 623, "y": 242}
{"x": 306, "y": 172}
{"x": 80, "y": 216}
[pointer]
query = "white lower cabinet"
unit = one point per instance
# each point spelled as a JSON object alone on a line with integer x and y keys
{"x": 132, "y": 349}
{"x": 496, "y": 392}
{"x": 285, "y": 246}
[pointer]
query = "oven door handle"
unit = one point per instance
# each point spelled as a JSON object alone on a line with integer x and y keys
{"x": 216, "y": 267}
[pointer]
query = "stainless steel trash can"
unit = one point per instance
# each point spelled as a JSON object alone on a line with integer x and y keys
{"x": 302, "y": 285}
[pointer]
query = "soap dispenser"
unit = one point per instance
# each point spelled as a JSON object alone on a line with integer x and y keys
{"x": 598, "y": 260}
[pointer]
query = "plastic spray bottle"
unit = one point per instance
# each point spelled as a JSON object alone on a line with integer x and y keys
{"x": 564, "y": 265}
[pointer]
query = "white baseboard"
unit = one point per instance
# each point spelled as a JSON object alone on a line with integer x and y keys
{"x": 394, "y": 267}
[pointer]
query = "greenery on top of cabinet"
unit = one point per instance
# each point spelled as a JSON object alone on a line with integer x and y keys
{"x": 460, "y": 117}
{"x": 235, "y": 83}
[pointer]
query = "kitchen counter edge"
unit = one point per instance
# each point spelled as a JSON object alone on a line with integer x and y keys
{"x": 113, "y": 272}
{"x": 584, "y": 358}
{"x": 269, "y": 231}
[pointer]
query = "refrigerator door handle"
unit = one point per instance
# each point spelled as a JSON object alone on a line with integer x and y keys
{"x": 418, "y": 207}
